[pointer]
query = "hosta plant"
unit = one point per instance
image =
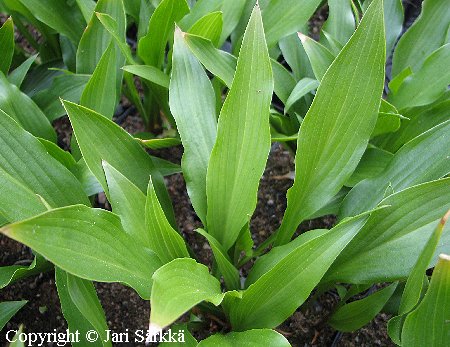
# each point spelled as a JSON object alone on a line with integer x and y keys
{"x": 374, "y": 154}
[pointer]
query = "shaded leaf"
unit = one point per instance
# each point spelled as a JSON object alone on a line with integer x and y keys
{"x": 250, "y": 338}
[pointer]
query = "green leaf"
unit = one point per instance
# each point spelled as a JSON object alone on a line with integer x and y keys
{"x": 150, "y": 73}
{"x": 59, "y": 154}
{"x": 177, "y": 287}
{"x": 10, "y": 274}
{"x": 17, "y": 76}
{"x": 164, "y": 240}
{"x": 9, "y": 309}
{"x": 218, "y": 62}
{"x": 421, "y": 119}
{"x": 412, "y": 92}
{"x": 112, "y": 26}
{"x": 18, "y": 201}
{"x": 83, "y": 295}
{"x": 87, "y": 8}
{"x": 16, "y": 341}
{"x": 341, "y": 22}
{"x": 165, "y": 142}
{"x": 243, "y": 139}
{"x": 209, "y": 27}
{"x": 268, "y": 261}
{"x": 389, "y": 245}
{"x": 280, "y": 291}
{"x": 101, "y": 139}
{"x": 337, "y": 127}
{"x": 386, "y": 123}
{"x": 20, "y": 107}
{"x": 128, "y": 202}
{"x": 152, "y": 47}
{"x": 88, "y": 243}
{"x": 319, "y": 56}
{"x": 295, "y": 15}
{"x": 372, "y": 163}
{"x": 232, "y": 13}
{"x": 425, "y": 36}
{"x": 250, "y": 338}
{"x": 192, "y": 103}
{"x": 74, "y": 317}
{"x": 98, "y": 94}
{"x": 68, "y": 87}
{"x": 413, "y": 288}
{"x": 229, "y": 272}
{"x": 27, "y": 161}
{"x": 295, "y": 55}
{"x": 303, "y": 87}
{"x": 284, "y": 82}
{"x": 356, "y": 314}
{"x": 90, "y": 184}
{"x": 393, "y": 22}
{"x": 70, "y": 24}
{"x": 7, "y": 44}
{"x": 420, "y": 160}
{"x": 428, "y": 324}
{"x": 96, "y": 38}
{"x": 200, "y": 9}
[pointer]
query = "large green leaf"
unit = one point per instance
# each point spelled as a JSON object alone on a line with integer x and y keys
{"x": 88, "y": 243}
{"x": 428, "y": 324}
{"x": 9, "y": 309}
{"x": 243, "y": 139}
{"x": 164, "y": 240}
{"x": 295, "y": 55}
{"x": 63, "y": 16}
{"x": 356, "y": 314}
{"x": 281, "y": 290}
{"x": 27, "y": 161}
{"x": 98, "y": 94}
{"x": 80, "y": 307}
{"x": 101, "y": 139}
{"x": 152, "y": 47}
{"x": 7, "y": 44}
{"x": 420, "y": 160}
{"x": 412, "y": 92}
{"x": 96, "y": 38}
{"x": 337, "y": 127}
{"x": 304, "y": 86}
{"x": 295, "y": 15}
{"x": 128, "y": 202}
{"x": 192, "y": 103}
{"x": 388, "y": 246}
{"x": 179, "y": 286}
{"x": 425, "y": 36}
{"x": 250, "y": 338}
{"x": 20, "y": 107}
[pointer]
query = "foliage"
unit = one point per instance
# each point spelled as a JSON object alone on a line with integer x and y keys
{"x": 226, "y": 79}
